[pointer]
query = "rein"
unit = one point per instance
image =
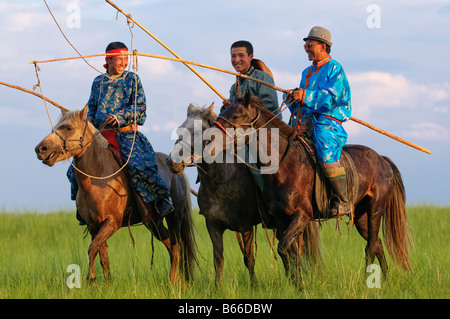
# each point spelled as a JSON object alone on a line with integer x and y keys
{"x": 239, "y": 136}
{"x": 254, "y": 130}
{"x": 251, "y": 124}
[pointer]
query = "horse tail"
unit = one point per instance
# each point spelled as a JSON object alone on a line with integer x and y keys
{"x": 188, "y": 243}
{"x": 311, "y": 238}
{"x": 395, "y": 225}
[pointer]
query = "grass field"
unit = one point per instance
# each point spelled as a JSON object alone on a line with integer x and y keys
{"x": 36, "y": 250}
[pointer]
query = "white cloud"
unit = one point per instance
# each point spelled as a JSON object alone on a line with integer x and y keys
{"x": 23, "y": 116}
{"x": 286, "y": 80}
{"x": 22, "y": 17}
{"x": 374, "y": 90}
{"x": 427, "y": 131}
{"x": 166, "y": 127}
{"x": 440, "y": 109}
{"x": 161, "y": 68}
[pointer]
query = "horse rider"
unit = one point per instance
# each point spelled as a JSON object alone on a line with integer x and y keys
{"x": 117, "y": 102}
{"x": 321, "y": 104}
{"x": 243, "y": 62}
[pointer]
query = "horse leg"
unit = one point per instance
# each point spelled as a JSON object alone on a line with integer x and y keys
{"x": 368, "y": 226}
{"x": 174, "y": 241}
{"x": 107, "y": 228}
{"x": 376, "y": 246}
{"x": 92, "y": 255}
{"x": 216, "y": 236}
{"x": 362, "y": 227}
{"x": 249, "y": 257}
{"x": 104, "y": 261}
{"x": 291, "y": 246}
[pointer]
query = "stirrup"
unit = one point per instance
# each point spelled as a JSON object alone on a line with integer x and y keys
{"x": 339, "y": 208}
{"x": 164, "y": 207}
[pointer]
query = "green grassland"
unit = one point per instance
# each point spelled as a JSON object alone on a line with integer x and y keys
{"x": 36, "y": 250}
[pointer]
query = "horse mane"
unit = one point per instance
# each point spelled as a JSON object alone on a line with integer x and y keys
{"x": 210, "y": 116}
{"x": 285, "y": 129}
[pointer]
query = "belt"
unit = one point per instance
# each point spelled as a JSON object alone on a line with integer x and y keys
{"x": 131, "y": 127}
{"x": 328, "y": 117}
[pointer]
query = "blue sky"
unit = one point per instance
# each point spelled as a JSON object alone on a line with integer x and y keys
{"x": 394, "y": 54}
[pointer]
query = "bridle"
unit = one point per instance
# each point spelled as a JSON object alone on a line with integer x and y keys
{"x": 251, "y": 124}
{"x": 80, "y": 140}
{"x": 238, "y": 136}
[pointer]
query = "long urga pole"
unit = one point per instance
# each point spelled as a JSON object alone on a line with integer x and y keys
{"x": 166, "y": 47}
{"x": 186, "y": 63}
{"x": 34, "y": 93}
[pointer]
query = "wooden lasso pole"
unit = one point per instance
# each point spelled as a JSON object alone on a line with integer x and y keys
{"x": 186, "y": 62}
{"x": 35, "y": 94}
{"x": 166, "y": 47}
{"x": 399, "y": 139}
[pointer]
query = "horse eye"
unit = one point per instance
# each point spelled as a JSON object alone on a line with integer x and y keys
{"x": 66, "y": 127}
{"x": 234, "y": 117}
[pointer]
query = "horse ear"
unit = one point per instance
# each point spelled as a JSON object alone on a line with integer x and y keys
{"x": 190, "y": 108}
{"x": 84, "y": 112}
{"x": 247, "y": 98}
{"x": 210, "y": 108}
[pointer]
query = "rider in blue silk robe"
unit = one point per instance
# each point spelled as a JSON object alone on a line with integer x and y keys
{"x": 320, "y": 105}
{"x": 326, "y": 99}
{"x": 117, "y": 98}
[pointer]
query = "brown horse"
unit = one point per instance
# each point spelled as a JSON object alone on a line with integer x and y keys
{"x": 108, "y": 204}
{"x": 378, "y": 193}
{"x": 228, "y": 195}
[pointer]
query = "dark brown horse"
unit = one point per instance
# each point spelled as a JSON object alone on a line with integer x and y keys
{"x": 378, "y": 193}
{"x": 107, "y": 204}
{"x": 227, "y": 195}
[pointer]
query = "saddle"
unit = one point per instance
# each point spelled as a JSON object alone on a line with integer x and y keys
{"x": 113, "y": 146}
{"x": 323, "y": 193}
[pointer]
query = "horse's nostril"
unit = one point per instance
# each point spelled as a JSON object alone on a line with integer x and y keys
{"x": 40, "y": 148}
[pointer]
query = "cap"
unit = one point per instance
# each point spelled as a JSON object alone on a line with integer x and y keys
{"x": 319, "y": 34}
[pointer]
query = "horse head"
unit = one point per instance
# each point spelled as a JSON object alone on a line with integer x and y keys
{"x": 189, "y": 145}
{"x": 239, "y": 112}
{"x": 68, "y": 138}
{"x": 238, "y": 121}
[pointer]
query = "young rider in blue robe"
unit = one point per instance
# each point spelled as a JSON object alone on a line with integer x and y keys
{"x": 324, "y": 100}
{"x": 117, "y": 100}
